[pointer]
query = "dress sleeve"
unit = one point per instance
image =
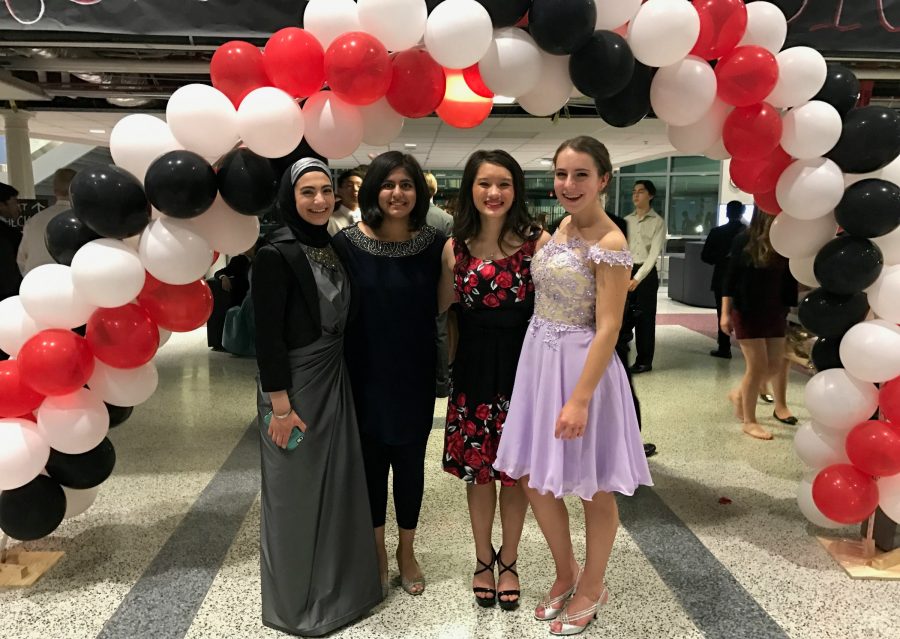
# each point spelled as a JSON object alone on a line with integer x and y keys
{"x": 596, "y": 254}
{"x": 269, "y": 290}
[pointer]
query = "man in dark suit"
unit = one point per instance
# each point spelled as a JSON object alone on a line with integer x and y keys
{"x": 716, "y": 252}
{"x": 10, "y": 238}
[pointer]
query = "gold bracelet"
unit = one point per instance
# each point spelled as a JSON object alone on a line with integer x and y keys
{"x": 285, "y": 416}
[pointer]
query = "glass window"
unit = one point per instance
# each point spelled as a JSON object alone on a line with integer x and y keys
{"x": 653, "y": 166}
{"x": 693, "y": 204}
{"x": 695, "y": 164}
{"x": 626, "y": 184}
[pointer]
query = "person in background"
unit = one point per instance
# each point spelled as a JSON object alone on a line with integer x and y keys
{"x": 646, "y": 239}
{"x": 443, "y": 222}
{"x": 347, "y": 214}
{"x": 33, "y": 249}
{"x": 10, "y": 239}
{"x": 436, "y": 216}
{"x": 716, "y": 251}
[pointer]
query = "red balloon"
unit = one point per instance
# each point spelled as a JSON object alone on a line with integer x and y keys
{"x": 473, "y": 78}
{"x": 759, "y": 176}
{"x": 123, "y": 337}
{"x": 746, "y": 75}
{"x": 722, "y": 25}
{"x": 358, "y": 68}
{"x": 845, "y": 494}
{"x": 767, "y": 202}
{"x": 874, "y": 448}
{"x": 753, "y": 132}
{"x": 295, "y": 62}
{"x": 15, "y": 397}
{"x": 236, "y": 69}
{"x": 177, "y": 308}
{"x": 889, "y": 400}
{"x": 418, "y": 83}
{"x": 461, "y": 106}
{"x": 56, "y": 362}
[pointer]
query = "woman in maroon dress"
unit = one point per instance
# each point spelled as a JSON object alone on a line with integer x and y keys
{"x": 487, "y": 272}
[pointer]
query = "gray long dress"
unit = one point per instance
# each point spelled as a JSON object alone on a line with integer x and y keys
{"x": 318, "y": 563}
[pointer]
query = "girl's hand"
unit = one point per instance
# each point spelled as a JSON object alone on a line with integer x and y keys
{"x": 280, "y": 429}
{"x": 572, "y": 420}
{"x": 725, "y": 324}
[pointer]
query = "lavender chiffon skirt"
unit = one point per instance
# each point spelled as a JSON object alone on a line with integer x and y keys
{"x": 609, "y": 457}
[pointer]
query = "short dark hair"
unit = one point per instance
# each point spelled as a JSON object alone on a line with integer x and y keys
{"x": 592, "y": 147}
{"x": 649, "y": 185}
{"x": 7, "y": 192}
{"x": 379, "y": 170}
{"x": 343, "y": 176}
{"x": 734, "y": 210}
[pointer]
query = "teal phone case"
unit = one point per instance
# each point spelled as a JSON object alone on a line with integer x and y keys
{"x": 296, "y": 434}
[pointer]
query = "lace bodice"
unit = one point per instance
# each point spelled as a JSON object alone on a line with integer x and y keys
{"x": 565, "y": 283}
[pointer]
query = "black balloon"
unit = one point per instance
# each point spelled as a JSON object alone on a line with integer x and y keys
{"x": 869, "y": 208}
{"x": 85, "y": 470}
{"x": 841, "y": 88}
{"x": 65, "y": 234}
{"x": 870, "y": 140}
{"x": 431, "y": 4}
{"x": 110, "y": 201}
{"x": 603, "y": 67}
{"x": 181, "y": 184}
{"x": 34, "y": 510}
{"x": 505, "y": 13}
{"x": 830, "y": 315}
{"x": 562, "y": 27}
{"x": 848, "y": 264}
{"x": 247, "y": 182}
{"x": 825, "y": 353}
{"x": 631, "y": 104}
{"x": 118, "y": 414}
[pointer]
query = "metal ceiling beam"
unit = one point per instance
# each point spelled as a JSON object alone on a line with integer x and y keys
{"x": 12, "y": 88}
{"x": 101, "y": 65}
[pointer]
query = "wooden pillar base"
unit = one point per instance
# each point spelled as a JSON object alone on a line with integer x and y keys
{"x": 24, "y": 568}
{"x": 859, "y": 561}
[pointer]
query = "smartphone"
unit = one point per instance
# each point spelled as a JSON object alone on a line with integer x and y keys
{"x": 296, "y": 434}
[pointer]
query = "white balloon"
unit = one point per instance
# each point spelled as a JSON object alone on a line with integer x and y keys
{"x": 811, "y": 130}
{"x": 270, "y": 122}
{"x": 23, "y": 453}
{"x": 16, "y": 325}
{"x": 801, "y": 75}
{"x": 804, "y": 492}
{"x": 810, "y": 188}
{"x": 792, "y": 237}
{"x": 615, "y": 13}
{"x": 74, "y": 423}
{"x": 890, "y": 246}
{"x": 203, "y": 120}
{"x": 327, "y": 19}
{"x": 884, "y": 294}
{"x": 889, "y": 496}
{"x": 682, "y": 93}
{"x": 512, "y": 63}
{"x": 107, "y": 273}
{"x": 381, "y": 124}
{"x": 819, "y": 447}
{"x": 717, "y": 151}
{"x": 553, "y": 88}
{"x": 698, "y": 137}
{"x": 225, "y": 230}
{"x": 78, "y": 501}
{"x": 838, "y": 401}
{"x": 174, "y": 253}
{"x": 334, "y": 128}
{"x": 137, "y": 140}
{"x": 398, "y": 24}
{"x": 458, "y": 33}
{"x": 870, "y": 351}
{"x": 766, "y": 27}
{"x": 802, "y": 270}
{"x": 48, "y": 295}
{"x": 124, "y": 386}
{"x": 663, "y": 32}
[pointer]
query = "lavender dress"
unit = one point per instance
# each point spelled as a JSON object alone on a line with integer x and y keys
{"x": 610, "y": 455}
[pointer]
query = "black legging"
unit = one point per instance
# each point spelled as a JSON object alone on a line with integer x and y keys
{"x": 643, "y": 299}
{"x": 408, "y": 464}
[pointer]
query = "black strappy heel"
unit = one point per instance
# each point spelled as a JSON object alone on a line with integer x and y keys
{"x": 508, "y": 604}
{"x": 486, "y": 602}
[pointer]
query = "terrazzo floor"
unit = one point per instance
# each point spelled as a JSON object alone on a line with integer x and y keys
{"x": 684, "y": 564}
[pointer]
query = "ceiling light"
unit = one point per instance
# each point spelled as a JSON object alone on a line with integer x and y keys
{"x": 97, "y": 131}
{"x": 409, "y": 145}
{"x": 546, "y": 161}
{"x": 502, "y": 99}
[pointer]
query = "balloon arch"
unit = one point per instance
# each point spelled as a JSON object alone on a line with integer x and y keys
{"x": 142, "y": 234}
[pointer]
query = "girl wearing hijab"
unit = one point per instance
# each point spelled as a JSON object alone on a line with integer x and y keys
{"x": 319, "y": 568}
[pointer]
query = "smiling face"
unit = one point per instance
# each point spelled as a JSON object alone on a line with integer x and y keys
{"x": 576, "y": 180}
{"x": 397, "y": 195}
{"x": 493, "y": 192}
{"x": 314, "y": 197}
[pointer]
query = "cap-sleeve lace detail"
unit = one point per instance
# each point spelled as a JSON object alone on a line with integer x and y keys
{"x": 614, "y": 258}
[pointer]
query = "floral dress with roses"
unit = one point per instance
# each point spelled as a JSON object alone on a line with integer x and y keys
{"x": 496, "y": 301}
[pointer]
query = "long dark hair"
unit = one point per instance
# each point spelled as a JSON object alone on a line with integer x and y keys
{"x": 467, "y": 220}
{"x": 378, "y": 172}
{"x": 759, "y": 247}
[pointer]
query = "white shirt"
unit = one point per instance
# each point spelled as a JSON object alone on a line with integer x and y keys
{"x": 33, "y": 249}
{"x": 646, "y": 238}
{"x": 342, "y": 218}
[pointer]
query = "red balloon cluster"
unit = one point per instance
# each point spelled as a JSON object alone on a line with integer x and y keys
{"x": 759, "y": 176}
{"x": 418, "y": 84}
{"x": 845, "y": 494}
{"x": 16, "y": 397}
{"x": 722, "y": 25}
{"x": 889, "y": 400}
{"x": 746, "y": 76}
{"x": 123, "y": 337}
{"x": 752, "y": 132}
{"x": 295, "y": 62}
{"x": 236, "y": 69}
{"x": 874, "y": 448}
{"x": 55, "y": 362}
{"x": 358, "y": 68}
{"x": 177, "y": 308}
